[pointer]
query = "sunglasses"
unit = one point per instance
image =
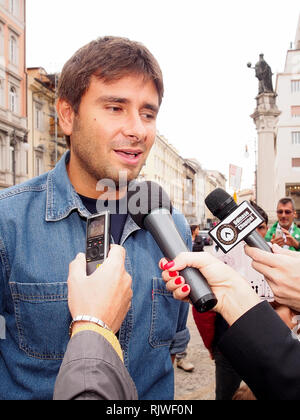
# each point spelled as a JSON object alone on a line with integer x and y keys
{"x": 284, "y": 211}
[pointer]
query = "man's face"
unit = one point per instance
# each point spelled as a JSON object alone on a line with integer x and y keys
{"x": 285, "y": 215}
{"x": 115, "y": 128}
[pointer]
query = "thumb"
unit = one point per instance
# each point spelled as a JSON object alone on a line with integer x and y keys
{"x": 77, "y": 267}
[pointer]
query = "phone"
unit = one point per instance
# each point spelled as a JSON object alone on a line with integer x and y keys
{"x": 97, "y": 240}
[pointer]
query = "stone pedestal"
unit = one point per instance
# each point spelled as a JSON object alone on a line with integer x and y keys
{"x": 265, "y": 118}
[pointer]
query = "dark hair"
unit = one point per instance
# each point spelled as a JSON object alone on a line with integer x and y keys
{"x": 260, "y": 211}
{"x": 193, "y": 228}
{"x": 109, "y": 59}
{"x": 287, "y": 200}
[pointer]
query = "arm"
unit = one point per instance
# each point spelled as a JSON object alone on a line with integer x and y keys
{"x": 92, "y": 370}
{"x": 93, "y": 366}
{"x": 258, "y": 344}
{"x": 264, "y": 352}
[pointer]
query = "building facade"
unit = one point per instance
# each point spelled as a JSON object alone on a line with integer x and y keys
{"x": 166, "y": 167}
{"x": 287, "y": 152}
{"x": 45, "y": 139}
{"x": 13, "y": 104}
{"x": 185, "y": 181}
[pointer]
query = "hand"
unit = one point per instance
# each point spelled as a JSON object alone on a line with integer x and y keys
{"x": 106, "y": 294}
{"x": 290, "y": 240}
{"x": 234, "y": 294}
{"x": 282, "y": 272}
{"x": 279, "y": 240}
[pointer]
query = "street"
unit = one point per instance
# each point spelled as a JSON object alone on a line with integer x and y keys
{"x": 199, "y": 384}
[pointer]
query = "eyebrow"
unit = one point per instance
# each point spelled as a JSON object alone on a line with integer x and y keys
{"x": 119, "y": 100}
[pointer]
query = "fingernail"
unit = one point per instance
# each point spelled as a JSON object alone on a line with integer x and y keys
{"x": 169, "y": 265}
{"x": 178, "y": 281}
{"x": 173, "y": 273}
{"x": 185, "y": 289}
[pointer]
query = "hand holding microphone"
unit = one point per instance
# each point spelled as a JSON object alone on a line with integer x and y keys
{"x": 155, "y": 216}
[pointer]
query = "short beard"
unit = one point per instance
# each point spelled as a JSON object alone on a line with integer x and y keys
{"x": 98, "y": 172}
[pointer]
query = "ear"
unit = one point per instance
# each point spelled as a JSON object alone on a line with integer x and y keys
{"x": 66, "y": 116}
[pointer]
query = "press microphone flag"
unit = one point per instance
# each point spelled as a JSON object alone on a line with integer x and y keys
{"x": 237, "y": 222}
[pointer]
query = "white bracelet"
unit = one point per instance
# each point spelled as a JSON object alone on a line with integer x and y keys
{"x": 88, "y": 318}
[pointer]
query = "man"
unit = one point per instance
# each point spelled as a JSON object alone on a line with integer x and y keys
{"x": 284, "y": 232}
{"x": 109, "y": 95}
{"x": 93, "y": 367}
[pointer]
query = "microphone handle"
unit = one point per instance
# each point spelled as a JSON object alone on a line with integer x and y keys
{"x": 256, "y": 241}
{"x": 171, "y": 244}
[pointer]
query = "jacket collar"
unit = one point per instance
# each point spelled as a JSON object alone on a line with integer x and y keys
{"x": 62, "y": 198}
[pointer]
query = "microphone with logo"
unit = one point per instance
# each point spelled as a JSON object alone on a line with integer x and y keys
{"x": 222, "y": 205}
{"x": 154, "y": 215}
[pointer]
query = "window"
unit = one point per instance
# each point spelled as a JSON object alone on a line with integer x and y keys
{"x": 295, "y": 111}
{"x": 295, "y": 162}
{"x": 14, "y": 7}
{"x": 1, "y": 40}
{"x": 296, "y": 137}
{"x": 2, "y": 92}
{"x": 38, "y": 118}
{"x": 39, "y": 165}
{"x": 13, "y": 100}
{"x": 295, "y": 86}
{"x": 2, "y": 154}
{"x": 13, "y": 50}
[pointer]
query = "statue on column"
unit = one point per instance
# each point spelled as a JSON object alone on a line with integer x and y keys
{"x": 264, "y": 74}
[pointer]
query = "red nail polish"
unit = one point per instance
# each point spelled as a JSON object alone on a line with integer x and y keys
{"x": 169, "y": 265}
{"x": 173, "y": 273}
{"x": 178, "y": 281}
{"x": 185, "y": 289}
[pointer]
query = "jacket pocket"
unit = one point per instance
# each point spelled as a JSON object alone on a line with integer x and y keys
{"x": 165, "y": 312}
{"x": 42, "y": 318}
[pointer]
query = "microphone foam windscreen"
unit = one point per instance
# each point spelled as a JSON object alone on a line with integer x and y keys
{"x": 145, "y": 197}
{"x": 216, "y": 200}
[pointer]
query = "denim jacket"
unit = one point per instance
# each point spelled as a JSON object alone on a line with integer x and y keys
{"x": 42, "y": 229}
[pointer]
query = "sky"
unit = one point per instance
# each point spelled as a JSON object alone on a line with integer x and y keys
{"x": 203, "y": 48}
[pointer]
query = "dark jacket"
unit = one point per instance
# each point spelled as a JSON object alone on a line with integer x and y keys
{"x": 265, "y": 353}
{"x": 92, "y": 370}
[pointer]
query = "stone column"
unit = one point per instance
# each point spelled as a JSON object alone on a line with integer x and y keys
{"x": 265, "y": 118}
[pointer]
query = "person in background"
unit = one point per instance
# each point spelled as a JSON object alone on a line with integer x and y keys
{"x": 197, "y": 239}
{"x": 285, "y": 232}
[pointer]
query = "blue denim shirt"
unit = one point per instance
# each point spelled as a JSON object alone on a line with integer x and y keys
{"x": 42, "y": 229}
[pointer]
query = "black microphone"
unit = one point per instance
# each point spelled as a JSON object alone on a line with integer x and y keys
{"x": 154, "y": 215}
{"x": 221, "y": 205}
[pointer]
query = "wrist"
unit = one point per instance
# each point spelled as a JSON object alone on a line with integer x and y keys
{"x": 238, "y": 300}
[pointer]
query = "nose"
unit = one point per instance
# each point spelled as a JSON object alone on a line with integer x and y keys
{"x": 134, "y": 128}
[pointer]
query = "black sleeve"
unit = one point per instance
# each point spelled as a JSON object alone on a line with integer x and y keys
{"x": 92, "y": 370}
{"x": 266, "y": 354}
